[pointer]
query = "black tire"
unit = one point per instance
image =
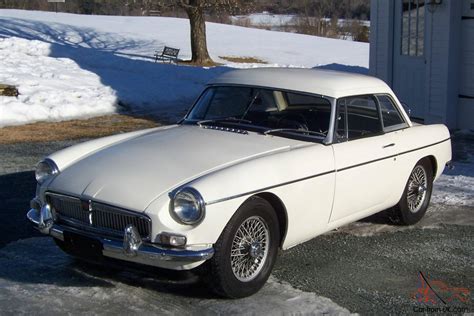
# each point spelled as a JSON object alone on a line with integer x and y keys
{"x": 218, "y": 270}
{"x": 405, "y": 213}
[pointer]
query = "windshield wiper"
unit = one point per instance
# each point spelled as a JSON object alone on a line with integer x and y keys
{"x": 223, "y": 120}
{"x": 294, "y": 130}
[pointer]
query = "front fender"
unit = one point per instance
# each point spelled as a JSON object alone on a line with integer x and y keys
{"x": 288, "y": 175}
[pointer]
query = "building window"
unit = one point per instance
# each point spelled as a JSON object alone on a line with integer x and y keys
{"x": 413, "y": 27}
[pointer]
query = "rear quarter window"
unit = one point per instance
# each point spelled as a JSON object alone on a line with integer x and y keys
{"x": 391, "y": 117}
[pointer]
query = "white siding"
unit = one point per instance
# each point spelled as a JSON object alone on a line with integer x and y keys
{"x": 438, "y": 64}
{"x": 443, "y": 64}
{"x": 381, "y": 39}
{"x": 466, "y": 114}
{"x": 466, "y": 86}
{"x": 467, "y": 55}
{"x": 449, "y": 58}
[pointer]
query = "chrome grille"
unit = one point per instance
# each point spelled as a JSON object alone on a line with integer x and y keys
{"x": 109, "y": 217}
{"x": 96, "y": 217}
{"x": 68, "y": 206}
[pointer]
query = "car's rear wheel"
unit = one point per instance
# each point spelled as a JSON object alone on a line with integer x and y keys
{"x": 246, "y": 251}
{"x": 417, "y": 194}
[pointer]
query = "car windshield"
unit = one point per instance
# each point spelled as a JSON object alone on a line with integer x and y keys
{"x": 269, "y": 111}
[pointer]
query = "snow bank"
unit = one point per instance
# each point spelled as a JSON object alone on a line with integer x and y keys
{"x": 455, "y": 187}
{"x": 50, "y": 88}
{"x": 69, "y": 66}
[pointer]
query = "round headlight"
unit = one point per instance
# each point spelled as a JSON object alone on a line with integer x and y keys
{"x": 45, "y": 169}
{"x": 188, "y": 206}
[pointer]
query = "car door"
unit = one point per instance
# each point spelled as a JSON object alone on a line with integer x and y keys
{"x": 365, "y": 158}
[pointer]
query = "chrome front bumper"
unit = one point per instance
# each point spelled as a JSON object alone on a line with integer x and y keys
{"x": 144, "y": 253}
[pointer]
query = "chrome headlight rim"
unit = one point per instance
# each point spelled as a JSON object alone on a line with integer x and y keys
{"x": 199, "y": 203}
{"x": 53, "y": 170}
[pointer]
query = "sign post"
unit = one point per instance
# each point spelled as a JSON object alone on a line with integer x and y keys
{"x": 56, "y": 3}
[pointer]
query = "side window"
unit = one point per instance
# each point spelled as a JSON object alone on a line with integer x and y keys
{"x": 357, "y": 117}
{"x": 390, "y": 114}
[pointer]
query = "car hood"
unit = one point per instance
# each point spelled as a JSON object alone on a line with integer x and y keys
{"x": 133, "y": 173}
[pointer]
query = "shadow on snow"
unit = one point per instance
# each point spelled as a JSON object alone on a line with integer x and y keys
{"x": 141, "y": 86}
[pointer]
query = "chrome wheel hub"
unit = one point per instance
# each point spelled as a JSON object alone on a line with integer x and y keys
{"x": 421, "y": 189}
{"x": 417, "y": 187}
{"x": 249, "y": 249}
{"x": 255, "y": 250}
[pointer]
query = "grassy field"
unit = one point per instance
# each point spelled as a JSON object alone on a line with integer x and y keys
{"x": 243, "y": 60}
{"x": 75, "y": 129}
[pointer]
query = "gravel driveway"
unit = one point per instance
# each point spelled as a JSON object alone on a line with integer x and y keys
{"x": 368, "y": 267}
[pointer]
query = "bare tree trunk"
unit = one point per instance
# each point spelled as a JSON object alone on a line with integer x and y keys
{"x": 200, "y": 55}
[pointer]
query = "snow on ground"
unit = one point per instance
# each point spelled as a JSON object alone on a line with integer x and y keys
{"x": 50, "y": 88}
{"x": 86, "y": 64}
{"x": 36, "y": 277}
{"x": 456, "y": 186}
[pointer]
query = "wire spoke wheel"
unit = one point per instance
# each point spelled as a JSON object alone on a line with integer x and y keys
{"x": 246, "y": 250}
{"x": 417, "y": 187}
{"x": 250, "y": 248}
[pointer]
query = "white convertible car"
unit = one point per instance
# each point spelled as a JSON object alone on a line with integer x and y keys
{"x": 265, "y": 159}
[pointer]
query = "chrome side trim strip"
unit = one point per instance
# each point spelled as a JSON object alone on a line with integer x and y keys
{"x": 269, "y": 187}
{"x": 366, "y": 163}
{"x": 392, "y": 156}
{"x": 423, "y": 147}
{"x": 321, "y": 174}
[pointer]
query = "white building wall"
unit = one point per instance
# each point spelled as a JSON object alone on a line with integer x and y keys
{"x": 466, "y": 87}
{"x": 381, "y": 40}
{"x": 445, "y": 72}
{"x": 444, "y": 64}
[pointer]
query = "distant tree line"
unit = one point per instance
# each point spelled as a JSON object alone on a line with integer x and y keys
{"x": 347, "y": 9}
{"x": 103, "y": 7}
{"x": 328, "y": 18}
{"x": 342, "y": 9}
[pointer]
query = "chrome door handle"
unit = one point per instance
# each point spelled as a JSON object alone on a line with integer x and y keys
{"x": 389, "y": 145}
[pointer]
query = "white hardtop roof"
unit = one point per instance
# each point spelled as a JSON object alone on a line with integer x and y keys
{"x": 329, "y": 83}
